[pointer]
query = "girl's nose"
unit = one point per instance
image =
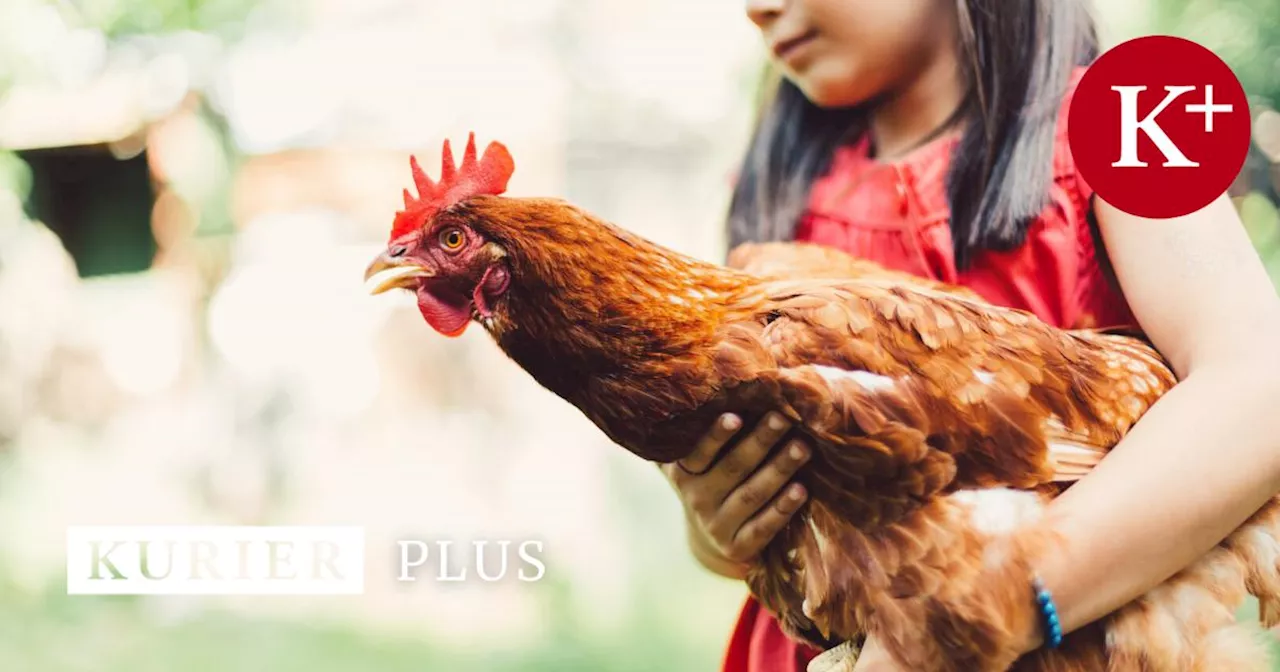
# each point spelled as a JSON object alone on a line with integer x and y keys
{"x": 764, "y": 12}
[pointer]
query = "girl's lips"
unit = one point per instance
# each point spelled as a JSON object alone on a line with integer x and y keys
{"x": 783, "y": 48}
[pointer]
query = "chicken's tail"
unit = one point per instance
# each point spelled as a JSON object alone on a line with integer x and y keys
{"x": 1257, "y": 544}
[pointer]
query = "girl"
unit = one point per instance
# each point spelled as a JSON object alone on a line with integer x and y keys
{"x": 930, "y": 136}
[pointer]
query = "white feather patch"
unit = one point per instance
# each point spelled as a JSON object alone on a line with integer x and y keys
{"x": 999, "y": 511}
{"x": 818, "y": 536}
{"x": 1074, "y": 453}
{"x": 864, "y": 379}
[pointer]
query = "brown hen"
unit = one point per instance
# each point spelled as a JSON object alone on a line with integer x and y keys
{"x": 941, "y": 425}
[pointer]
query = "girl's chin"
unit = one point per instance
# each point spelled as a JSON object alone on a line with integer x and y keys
{"x": 827, "y": 94}
{"x": 827, "y": 86}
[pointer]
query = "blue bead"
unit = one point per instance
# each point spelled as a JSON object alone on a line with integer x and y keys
{"x": 1049, "y": 613}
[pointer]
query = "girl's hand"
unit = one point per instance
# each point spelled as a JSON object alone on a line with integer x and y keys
{"x": 734, "y": 505}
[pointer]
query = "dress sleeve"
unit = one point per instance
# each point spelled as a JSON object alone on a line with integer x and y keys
{"x": 759, "y": 644}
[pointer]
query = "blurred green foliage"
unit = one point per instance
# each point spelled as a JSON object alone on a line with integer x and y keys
{"x": 52, "y": 632}
{"x": 230, "y": 19}
{"x": 1245, "y": 33}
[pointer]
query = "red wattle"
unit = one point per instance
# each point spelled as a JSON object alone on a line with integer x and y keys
{"x": 448, "y": 315}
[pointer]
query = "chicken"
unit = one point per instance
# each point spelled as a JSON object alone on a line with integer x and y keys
{"x": 941, "y": 425}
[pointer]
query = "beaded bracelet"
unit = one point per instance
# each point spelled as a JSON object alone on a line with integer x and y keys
{"x": 1048, "y": 610}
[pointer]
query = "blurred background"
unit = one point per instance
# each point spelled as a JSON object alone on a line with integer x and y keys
{"x": 189, "y": 193}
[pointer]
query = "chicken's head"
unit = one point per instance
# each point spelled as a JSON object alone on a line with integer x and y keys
{"x": 453, "y": 268}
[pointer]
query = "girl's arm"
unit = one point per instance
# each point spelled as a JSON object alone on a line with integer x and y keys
{"x": 1207, "y": 455}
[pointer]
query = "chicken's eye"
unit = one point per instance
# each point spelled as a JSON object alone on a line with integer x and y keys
{"x": 452, "y": 239}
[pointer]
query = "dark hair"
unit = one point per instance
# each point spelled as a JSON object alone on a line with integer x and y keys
{"x": 1017, "y": 57}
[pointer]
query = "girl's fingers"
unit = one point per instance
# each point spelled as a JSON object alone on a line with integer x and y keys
{"x": 759, "y": 489}
{"x": 706, "y": 495}
{"x": 708, "y": 447}
{"x": 757, "y": 532}
{"x": 744, "y": 458}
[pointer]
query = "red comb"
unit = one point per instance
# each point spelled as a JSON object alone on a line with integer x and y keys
{"x": 489, "y": 175}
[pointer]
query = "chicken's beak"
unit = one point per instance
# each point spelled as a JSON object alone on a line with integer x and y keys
{"x": 396, "y": 272}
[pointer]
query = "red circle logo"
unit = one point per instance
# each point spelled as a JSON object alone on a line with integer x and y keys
{"x": 1159, "y": 127}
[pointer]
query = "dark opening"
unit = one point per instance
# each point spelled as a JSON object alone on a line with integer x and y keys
{"x": 99, "y": 205}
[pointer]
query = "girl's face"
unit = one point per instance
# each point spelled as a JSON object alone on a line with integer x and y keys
{"x": 845, "y": 52}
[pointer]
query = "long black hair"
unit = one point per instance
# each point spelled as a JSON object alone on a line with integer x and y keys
{"x": 1017, "y": 58}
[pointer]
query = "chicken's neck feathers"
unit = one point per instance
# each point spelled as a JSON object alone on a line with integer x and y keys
{"x": 591, "y": 301}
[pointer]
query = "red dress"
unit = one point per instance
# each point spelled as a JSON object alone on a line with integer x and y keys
{"x": 897, "y": 215}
